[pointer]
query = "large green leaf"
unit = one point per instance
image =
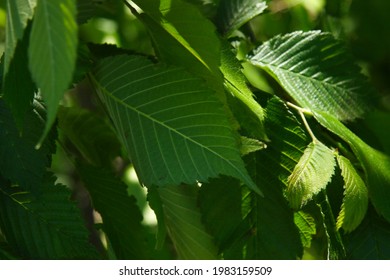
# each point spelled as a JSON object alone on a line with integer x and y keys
{"x": 355, "y": 200}
{"x": 376, "y": 165}
{"x": 318, "y": 73}
{"x": 48, "y": 226}
{"x": 232, "y": 14}
{"x": 371, "y": 240}
{"x": 183, "y": 222}
{"x": 311, "y": 174}
{"x": 19, "y": 95}
{"x": 173, "y": 128}
{"x": 121, "y": 216}
{"x": 52, "y": 52}
{"x": 20, "y": 162}
{"x": 18, "y": 14}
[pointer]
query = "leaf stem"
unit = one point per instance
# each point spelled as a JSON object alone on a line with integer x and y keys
{"x": 302, "y": 112}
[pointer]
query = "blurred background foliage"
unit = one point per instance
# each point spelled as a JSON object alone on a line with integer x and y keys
{"x": 363, "y": 25}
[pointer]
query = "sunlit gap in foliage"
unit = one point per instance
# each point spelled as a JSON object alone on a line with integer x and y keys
{"x": 140, "y": 193}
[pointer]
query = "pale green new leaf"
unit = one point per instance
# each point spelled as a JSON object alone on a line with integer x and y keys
{"x": 48, "y": 226}
{"x": 317, "y": 72}
{"x": 52, "y": 52}
{"x": 232, "y": 14}
{"x": 307, "y": 227}
{"x": 173, "y": 127}
{"x": 183, "y": 221}
{"x": 311, "y": 174}
{"x": 18, "y": 14}
{"x": 355, "y": 201}
{"x": 376, "y": 165}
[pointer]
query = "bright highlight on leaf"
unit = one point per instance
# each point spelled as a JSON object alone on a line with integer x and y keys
{"x": 314, "y": 68}
{"x": 355, "y": 201}
{"x": 174, "y": 129}
{"x": 311, "y": 174}
{"x": 52, "y": 52}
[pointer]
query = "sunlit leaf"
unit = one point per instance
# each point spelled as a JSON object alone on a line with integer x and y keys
{"x": 307, "y": 227}
{"x": 318, "y": 73}
{"x": 173, "y": 128}
{"x": 355, "y": 201}
{"x": 18, "y": 14}
{"x": 376, "y": 165}
{"x": 311, "y": 174}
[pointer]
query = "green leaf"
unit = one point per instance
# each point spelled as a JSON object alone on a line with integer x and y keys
{"x": 86, "y": 9}
{"x": 19, "y": 95}
{"x": 174, "y": 129}
{"x": 222, "y": 215}
{"x": 19, "y": 12}
{"x": 307, "y": 227}
{"x": 183, "y": 221}
{"x": 232, "y": 14}
{"x": 355, "y": 201}
{"x": 52, "y": 52}
{"x": 317, "y": 72}
{"x": 250, "y": 113}
{"x": 20, "y": 162}
{"x": 121, "y": 216}
{"x": 91, "y": 134}
{"x": 311, "y": 175}
{"x": 376, "y": 165}
{"x": 249, "y": 145}
{"x": 191, "y": 32}
{"x": 48, "y": 226}
{"x": 371, "y": 240}
{"x": 335, "y": 246}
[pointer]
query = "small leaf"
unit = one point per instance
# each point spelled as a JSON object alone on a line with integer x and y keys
{"x": 355, "y": 201}
{"x": 174, "y": 129}
{"x": 249, "y": 145}
{"x": 311, "y": 174}
{"x": 307, "y": 227}
{"x": 317, "y": 71}
{"x": 19, "y": 12}
{"x": 183, "y": 221}
{"x": 52, "y": 52}
{"x": 232, "y": 14}
{"x": 376, "y": 165}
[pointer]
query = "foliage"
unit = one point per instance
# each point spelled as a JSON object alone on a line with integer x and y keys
{"x": 248, "y": 139}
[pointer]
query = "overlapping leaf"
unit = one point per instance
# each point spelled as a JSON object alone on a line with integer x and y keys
{"x": 355, "y": 201}
{"x": 52, "y": 52}
{"x": 311, "y": 174}
{"x": 173, "y": 128}
{"x": 48, "y": 226}
{"x": 317, "y": 71}
{"x": 376, "y": 165}
{"x": 20, "y": 162}
{"x": 307, "y": 227}
{"x": 91, "y": 134}
{"x": 121, "y": 216}
{"x": 232, "y": 14}
{"x": 18, "y": 14}
{"x": 371, "y": 240}
{"x": 183, "y": 221}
